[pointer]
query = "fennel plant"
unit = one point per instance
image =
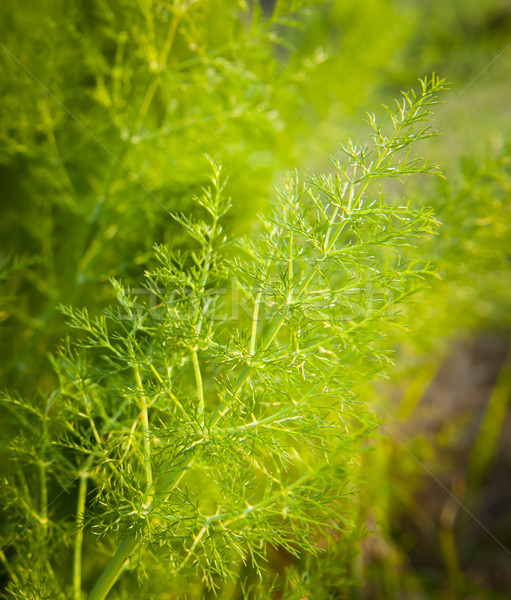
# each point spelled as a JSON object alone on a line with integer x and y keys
{"x": 212, "y": 416}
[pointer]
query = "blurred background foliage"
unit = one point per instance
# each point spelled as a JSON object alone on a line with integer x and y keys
{"x": 107, "y": 111}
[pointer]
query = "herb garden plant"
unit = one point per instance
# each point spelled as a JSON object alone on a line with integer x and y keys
{"x": 209, "y": 422}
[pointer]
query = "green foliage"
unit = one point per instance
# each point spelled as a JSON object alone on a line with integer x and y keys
{"x": 213, "y": 416}
{"x": 474, "y": 246}
{"x": 120, "y": 101}
{"x": 469, "y": 298}
{"x": 108, "y": 107}
{"x": 107, "y": 111}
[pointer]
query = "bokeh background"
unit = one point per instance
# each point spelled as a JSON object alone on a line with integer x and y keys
{"x": 107, "y": 112}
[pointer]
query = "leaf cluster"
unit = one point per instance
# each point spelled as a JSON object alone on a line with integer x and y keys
{"x": 213, "y": 415}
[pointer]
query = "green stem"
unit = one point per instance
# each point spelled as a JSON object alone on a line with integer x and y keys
{"x": 198, "y": 379}
{"x": 7, "y": 567}
{"x": 114, "y": 569}
{"x": 255, "y": 318}
{"x": 44, "y": 497}
{"x": 120, "y": 559}
{"x": 162, "y": 59}
{"x": 290, "y": 268}
{"x": 144, "y": 415}
{"x": 77, "y": 559}
{"x": 199, "y": 316}
{"x": 330, "y": 225}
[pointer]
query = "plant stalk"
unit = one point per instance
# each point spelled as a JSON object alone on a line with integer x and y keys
{"x": 198, "y": 379}
{"x": 255, "y": 318}
{"x": 114, "y": 569}
{"x": 120, "y": 559}
{"x": 144, "y": 415}
{"x": 78, "y": 543}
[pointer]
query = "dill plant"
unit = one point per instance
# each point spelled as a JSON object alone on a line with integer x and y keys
{"x": 212, "y": 416}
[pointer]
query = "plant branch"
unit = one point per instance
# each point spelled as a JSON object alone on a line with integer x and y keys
{"x": 144, "y": 415}
{"x": 114, "y": 569}
{"x": 78, "y": 541}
